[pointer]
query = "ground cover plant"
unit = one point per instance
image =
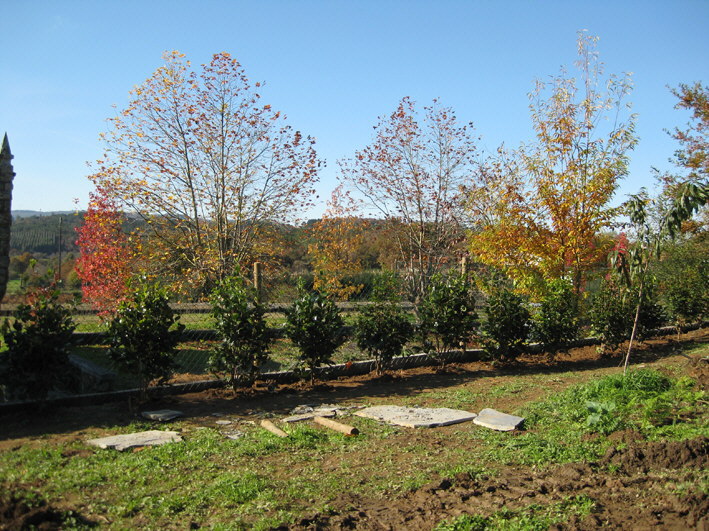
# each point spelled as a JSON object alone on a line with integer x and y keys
{"x": 584, "y": 421}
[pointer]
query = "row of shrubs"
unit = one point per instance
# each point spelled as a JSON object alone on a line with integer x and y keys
{"x": 144, "y": 332}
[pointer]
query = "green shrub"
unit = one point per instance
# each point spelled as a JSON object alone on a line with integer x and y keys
{"x": 683, "y": 281}
{"x": 383, "y": 328}
{"x": 447, "y": 312}
{"x": 239, "y": 321}
{"x": 557, "y": 321}
{"x": 38, "y": 339}
{"x": 505, "y": 331}
{"x": 613, "y": 309}
{"x": 315, "y": 327}
{"x": 610, "y": 314}
{"x": 141, "y": 335}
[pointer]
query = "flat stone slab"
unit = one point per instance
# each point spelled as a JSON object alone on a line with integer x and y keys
{"x": 495, "y": 420}
{"x": 163, "y": 415}
{"x": 416, "y": 417}
{"x": 134, "y": 440}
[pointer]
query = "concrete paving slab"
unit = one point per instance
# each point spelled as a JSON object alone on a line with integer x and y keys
{"x": 496, "y": 420}
{"x": 134, "y": 440}
{"x": 163, "y": 415}
{"x": 417, "y": 417}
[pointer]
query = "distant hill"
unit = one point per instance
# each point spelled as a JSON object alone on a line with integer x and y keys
{"x": 32, "y": 213}
{"x": 38, "y": 232}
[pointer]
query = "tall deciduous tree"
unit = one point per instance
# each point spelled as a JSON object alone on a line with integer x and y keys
{"x": 104, "y": 264}
{"x": 694, "y": 153}
{"x": 197, "y": 155}
{"x": 538, "y": 210}
{"x": 411, "y": 175}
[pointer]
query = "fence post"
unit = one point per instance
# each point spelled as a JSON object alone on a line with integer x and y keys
{"x": 258, "y": 281}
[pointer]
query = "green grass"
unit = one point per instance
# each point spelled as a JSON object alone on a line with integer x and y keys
{"x": 533, "y": 517}
{"x": 558, "y": 427}
{"x": 260, "y": 481}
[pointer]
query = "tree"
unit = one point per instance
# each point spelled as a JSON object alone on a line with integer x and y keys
{"x": 537, "y": 211}
{"x": 207, "y": 165}
{"x": 411, "y": 175}
{"x": 336, "y": 238}
{"x": 104, "y": 264}
{"x": 694, "y": 153}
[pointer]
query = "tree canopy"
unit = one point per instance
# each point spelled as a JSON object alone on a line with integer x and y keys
{"x": 197, "y": 155}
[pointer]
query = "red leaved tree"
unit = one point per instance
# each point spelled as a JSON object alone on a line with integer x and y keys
{"x": 411, "y": 174}
{"x": 104, "y": 264}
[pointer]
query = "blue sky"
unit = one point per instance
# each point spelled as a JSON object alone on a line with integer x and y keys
{"x": 333, "y": 67}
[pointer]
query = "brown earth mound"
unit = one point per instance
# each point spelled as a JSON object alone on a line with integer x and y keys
{"x": 625, "y": 499}
{"x": 16, "y": 513}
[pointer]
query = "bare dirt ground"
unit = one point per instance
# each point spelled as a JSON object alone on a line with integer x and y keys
{"x": 630, "y": 498}
{"x": 627, "y": 499}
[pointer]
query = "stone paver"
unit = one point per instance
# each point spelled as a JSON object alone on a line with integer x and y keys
{"x": 418, "y": 417}
{"x": 496, "y": 420}
{"x": 163, "y": 415}
{"x": 134, "y": 440}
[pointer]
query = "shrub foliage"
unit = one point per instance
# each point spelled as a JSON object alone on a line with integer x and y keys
{"x": 144, "y": 333}
{"x": 38, "y": 340}
{"x": 505, "y": 331}
{"x": 383, "y": 328}
{"x": 239, "y": 321}
{"x": 557, "y": 321}
{"x": 315, "y": 327}
{"x": 447, "y": 312}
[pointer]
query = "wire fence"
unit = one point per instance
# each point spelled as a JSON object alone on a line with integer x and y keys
{"x": 95, "y": 371}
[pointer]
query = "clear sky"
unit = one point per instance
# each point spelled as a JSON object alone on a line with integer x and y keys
{"x": 333, "y": 67}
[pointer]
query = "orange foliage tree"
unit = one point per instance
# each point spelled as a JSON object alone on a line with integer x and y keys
{"x": 411, "y": 176}
{"x": 335, "y": 242}
{"x": 104, "y": 263}
{"x": 537, "y": 211}
{"x": 207, "y": 165}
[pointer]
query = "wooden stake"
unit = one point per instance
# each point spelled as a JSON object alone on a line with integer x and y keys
{"x": 342, "y": 428}
{"x": 270, "y": 426}
{"x": 258, "y": 281}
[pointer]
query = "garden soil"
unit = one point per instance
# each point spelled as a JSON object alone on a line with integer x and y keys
{"x": 632, "y": 497}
